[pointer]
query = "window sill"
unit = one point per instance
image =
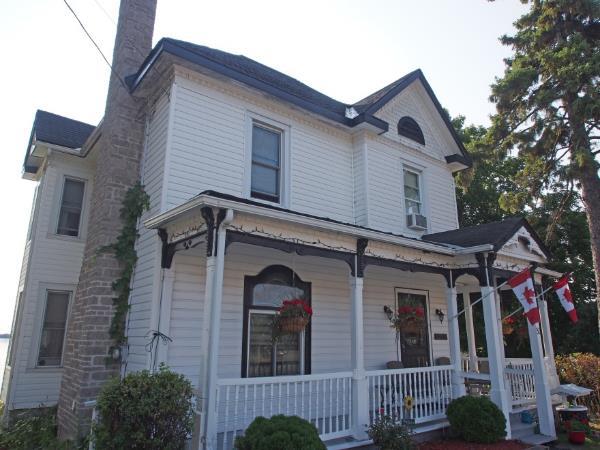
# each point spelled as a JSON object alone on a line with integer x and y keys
{"x": 46, "y": 369}
{"x": 64, "y": 237}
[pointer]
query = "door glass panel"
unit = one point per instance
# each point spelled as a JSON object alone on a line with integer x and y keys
{"x": 414, "y": 339}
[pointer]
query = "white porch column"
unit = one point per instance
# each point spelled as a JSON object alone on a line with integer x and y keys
{"x": 471, "y": 340}
{"x": 458, "y": 382}
{"x": 360, "y": 394}
{"x": 553, "y": 380}
{"x": 498, "y": 392}
{"x": 164, "y": 323}
{"x": 543, "y": 398}
{"x": 214, "y": 295}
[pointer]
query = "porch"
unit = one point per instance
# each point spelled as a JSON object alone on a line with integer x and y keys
{"x": 221, "y": 274}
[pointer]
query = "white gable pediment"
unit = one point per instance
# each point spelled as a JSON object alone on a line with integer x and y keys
{"x": 523, "y": 246}
{"x": 415, "y": 102}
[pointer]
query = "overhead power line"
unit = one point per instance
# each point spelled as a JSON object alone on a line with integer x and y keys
{"x": 96, "y": 45}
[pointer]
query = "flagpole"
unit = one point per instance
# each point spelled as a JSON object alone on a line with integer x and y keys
{"x": 537, "y": 298}
{"x": 478, "y": 300}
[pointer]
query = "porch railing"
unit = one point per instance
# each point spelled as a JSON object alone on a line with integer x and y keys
{"x": 325, "y": 400}
{"x": 428, "y": 389}
{"x": 522, "y": 383}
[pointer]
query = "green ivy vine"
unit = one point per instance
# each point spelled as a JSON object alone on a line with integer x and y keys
{"x": 135, "y": 202}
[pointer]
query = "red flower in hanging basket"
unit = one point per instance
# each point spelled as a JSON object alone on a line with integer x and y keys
{"x": 411, "y": 315}
{"x": 293, "y": 316}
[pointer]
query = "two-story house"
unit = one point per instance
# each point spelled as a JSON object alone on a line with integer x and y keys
{"x": 263, "y": 190}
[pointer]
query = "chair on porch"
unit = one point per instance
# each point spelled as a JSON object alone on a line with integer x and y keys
{"x": 442, "y": 361}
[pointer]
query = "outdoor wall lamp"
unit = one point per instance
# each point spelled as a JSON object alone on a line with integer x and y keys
{"x": 388, "y": 312}
{"x": 440, "y": 314}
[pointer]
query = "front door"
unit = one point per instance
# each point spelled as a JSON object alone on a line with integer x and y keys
{"x": 414, "y": 342}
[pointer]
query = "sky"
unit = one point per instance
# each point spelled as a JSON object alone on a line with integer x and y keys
{"x": 345, "y": 49}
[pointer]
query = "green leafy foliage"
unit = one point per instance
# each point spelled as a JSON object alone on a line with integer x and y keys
{"x": 476, "y": 419}
{"x": 548, "y": 110}
{"x": 36, "y": 432}
{"x": 135, "y": 202}
{"x": 582, "y": 369}
{"x": 390, "y": 435}
{"x": 144, "y": 410}
{"x": 280, "y": 432}
{"x": 556, "y": 215}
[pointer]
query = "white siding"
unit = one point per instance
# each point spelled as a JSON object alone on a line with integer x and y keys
{"x": 379, "y": 290}
{"x": 31, "y": 386}
{"x": 146, "y": 286}
{"x": 386, "y": 161}
{"x": 209, "y": 150}
{"x": 331, "y": 324}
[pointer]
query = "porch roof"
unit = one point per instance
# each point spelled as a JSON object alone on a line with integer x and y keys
{"x": 220, "y": 200}
{"x": 495, "y": 234}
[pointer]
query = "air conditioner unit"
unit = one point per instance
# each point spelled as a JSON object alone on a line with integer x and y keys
{"x": 416, "y": 221}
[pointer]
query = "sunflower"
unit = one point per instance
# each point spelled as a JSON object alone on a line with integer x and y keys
{"x": 408, "y": 403}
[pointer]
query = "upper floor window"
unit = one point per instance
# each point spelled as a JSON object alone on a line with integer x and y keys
{"x": 53, "y": 328}
{"x": 69, "y": 219}
{"x": 265, "y": 183}
{"x": 408, "y": 127}
{"x": 262, "y": 355}
{"x": 412, "y": 192}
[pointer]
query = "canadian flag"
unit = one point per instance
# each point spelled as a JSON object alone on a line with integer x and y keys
{"x": 566, "y": 299}
{"x": 522, "y": 286}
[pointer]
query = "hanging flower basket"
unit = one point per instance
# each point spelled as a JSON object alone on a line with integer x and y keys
{"x": 408, "y": 318}
{"x": 291, "y": 325}
{"x": 293, "y": 316}
{"x": 508, "y": 325}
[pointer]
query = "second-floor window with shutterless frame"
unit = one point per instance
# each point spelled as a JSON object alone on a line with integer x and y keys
{"x": 71, "y": 206}
{"x": 413, "y": 201}
{"x": 266, "y": 170}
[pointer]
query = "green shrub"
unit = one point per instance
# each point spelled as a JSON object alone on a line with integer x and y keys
{"x": 280, "y": 432}
{"x": 476, "y": 419}
{"x": 582, "y": 369}
{"x": 145, "y": 411}
{"x": 35, "y": 432}
{"x": 389, "y": 435}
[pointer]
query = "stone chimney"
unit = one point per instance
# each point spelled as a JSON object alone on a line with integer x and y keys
{"x": 118, "y": 155}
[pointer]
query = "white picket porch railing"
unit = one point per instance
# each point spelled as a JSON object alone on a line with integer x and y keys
{"x": 519, "y": 373}
{"x": 325, "y": 400}
{"x": 429, "y": 387}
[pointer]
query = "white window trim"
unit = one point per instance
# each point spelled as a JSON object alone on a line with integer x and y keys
{"x": 80, "y": 233}
{"x": 37, "y": 338}
{"x": 284, "y": 170}
{"x": 398, "y": 290}
{"x": 301, "y": 341}
{"x": 421, "y": 173}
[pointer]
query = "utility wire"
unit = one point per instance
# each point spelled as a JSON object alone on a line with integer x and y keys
{"x": 96, "y": 45}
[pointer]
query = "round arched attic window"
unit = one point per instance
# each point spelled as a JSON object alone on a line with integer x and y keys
{"x": 408, "y": 127}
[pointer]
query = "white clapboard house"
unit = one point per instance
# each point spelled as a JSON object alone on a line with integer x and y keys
{"x": 263, "y": 189}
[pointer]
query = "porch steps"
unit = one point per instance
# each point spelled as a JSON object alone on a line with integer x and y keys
{"x": 525, "y": 432}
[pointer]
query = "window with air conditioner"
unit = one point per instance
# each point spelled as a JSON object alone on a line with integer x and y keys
{"x": 413, "y": 200}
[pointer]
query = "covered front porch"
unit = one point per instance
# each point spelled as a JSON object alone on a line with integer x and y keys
{"x": 223, "y": 279}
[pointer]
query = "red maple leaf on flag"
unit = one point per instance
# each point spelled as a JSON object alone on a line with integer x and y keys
{"x": 529, "y": 295}
{"x": 568, "y": 296}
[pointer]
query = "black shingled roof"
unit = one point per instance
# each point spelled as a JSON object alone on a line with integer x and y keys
{"x": 493, "y": 233}
{"x": 280, "y": 85}
{"x": 58, "y": 130}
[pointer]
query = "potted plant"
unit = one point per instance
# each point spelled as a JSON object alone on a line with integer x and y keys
{"x": 508, "y": 325}
{"x": 577, "y": 431}
{"x": 293, "y": 316}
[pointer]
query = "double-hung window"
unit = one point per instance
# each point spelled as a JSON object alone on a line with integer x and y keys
{"x": 263, "y": 353}
{"x": 412, "y": 192}
{"x": 265, "y": 183}
{"x": 53, "y": 328}
{"x": 71, "y": 204}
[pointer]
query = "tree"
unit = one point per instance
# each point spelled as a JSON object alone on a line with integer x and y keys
{"x": 558, "y": 219}
{"x": 548, "y": 107}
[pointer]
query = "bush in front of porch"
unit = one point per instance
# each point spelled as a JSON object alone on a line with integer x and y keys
{"x": 476, "y": 419}
{"x": 280, "y": 432}
{"x": 387, "y": 434}
{"x": 145, "y": 410}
